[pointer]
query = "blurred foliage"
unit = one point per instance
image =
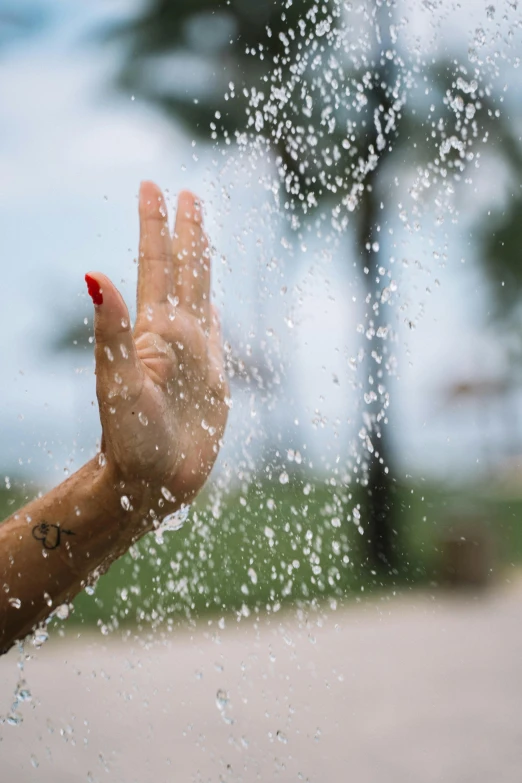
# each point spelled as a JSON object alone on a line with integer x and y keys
{"x": 199, "y": 61}
{"x": 333, "y": 120}
{"x": 11, "y": 498}
{"x": 252, "y": 77}
{"x": 19, "y": 21}
{"x": 292, "y": 538}
{"x": 208, "y": 44}
{"x": 501, "y": 240}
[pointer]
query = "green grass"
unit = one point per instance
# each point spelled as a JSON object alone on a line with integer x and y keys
{"x": 11, "y": 499}
{"x": 271, "y": 544}
{"x": 266, "y": 545}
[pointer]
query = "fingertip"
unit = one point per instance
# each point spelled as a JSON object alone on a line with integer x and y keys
{"x": 151, "y": 200}
{"x": 94, "y": 288}
{"x": 184, "y": 193}
{"x": 101, "y": 287}
{"x": 190, "y": 206}
{"x": 101, "y": 280}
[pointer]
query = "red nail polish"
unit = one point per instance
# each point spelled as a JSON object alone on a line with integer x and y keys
{"x": 93, "y": 287}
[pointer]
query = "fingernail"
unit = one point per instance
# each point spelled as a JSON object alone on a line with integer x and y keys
{"x": 94, "y": 289}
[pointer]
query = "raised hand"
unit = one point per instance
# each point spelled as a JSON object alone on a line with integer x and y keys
{"x": 163, "y": 407}
{"x": 161, "y": 387}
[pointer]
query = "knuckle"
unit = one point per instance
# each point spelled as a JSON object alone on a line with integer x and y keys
{"x": 158, "y": 257}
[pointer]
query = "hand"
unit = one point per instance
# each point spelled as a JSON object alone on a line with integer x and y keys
{"x": 163, "y": 407}
{"x": 161, "y": 388}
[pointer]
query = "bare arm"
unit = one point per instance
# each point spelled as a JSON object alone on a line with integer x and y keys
{"x": 50, "y": 547}
{"x": 163, "y": 407}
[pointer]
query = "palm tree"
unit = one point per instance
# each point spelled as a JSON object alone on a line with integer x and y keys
{"x": 336, "y": 117}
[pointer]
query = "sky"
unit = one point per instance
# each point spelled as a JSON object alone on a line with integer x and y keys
{"x": 72, "y": 154}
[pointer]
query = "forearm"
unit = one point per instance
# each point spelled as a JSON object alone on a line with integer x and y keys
{"x": 49, "y": 548}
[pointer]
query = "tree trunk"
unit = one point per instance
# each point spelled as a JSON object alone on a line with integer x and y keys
{"x": 378, "y": 517}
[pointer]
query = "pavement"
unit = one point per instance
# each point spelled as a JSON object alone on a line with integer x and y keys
{"x": 399, "y": 689}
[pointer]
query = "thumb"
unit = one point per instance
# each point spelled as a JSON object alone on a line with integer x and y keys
{"x": 118, "y": 370}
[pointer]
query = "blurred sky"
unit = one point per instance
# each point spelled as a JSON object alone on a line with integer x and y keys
{"x": 72, "y": 153}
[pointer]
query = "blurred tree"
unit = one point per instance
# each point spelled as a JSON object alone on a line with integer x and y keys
{"x": 500, "y": 243}
{"x": 326, "y": 92}
{"x": 17, "y": 23}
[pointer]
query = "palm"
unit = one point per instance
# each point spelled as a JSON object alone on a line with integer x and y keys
{"x": 162, "y": 390}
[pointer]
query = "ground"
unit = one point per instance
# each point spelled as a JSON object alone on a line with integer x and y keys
{"x": 396, "y": 689}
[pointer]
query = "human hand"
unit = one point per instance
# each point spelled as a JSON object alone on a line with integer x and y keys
{"x": 162, "y": 394}
{"x": 161, "y": 389}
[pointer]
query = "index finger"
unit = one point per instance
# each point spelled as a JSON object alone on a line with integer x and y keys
{"x": 155, "y": 270}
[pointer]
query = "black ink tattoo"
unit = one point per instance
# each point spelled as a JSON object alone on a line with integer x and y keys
{"x": 50, "y": 535}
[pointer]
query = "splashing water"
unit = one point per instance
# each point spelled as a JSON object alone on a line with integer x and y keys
{"x": 358, "y": 144}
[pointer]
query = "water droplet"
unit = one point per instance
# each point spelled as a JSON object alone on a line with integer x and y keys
{"x": 62, "y": 611}
{"x": 39, "y": 637}
{"x": 222, "y": 699}
{"x": 125, "y": 502}
{"x": 480, "y": 36}
{"x": 323, "y": 27}
{"x": 172, "y": 522}
{"x": 167, "y": 494}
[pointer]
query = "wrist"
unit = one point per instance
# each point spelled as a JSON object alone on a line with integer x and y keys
{"x": 138, "y": 505}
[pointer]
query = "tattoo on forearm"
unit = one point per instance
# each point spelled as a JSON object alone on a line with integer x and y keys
{"x": 50, "y": 535}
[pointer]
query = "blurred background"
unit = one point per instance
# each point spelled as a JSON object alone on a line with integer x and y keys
{"x": 360, "y": 165}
